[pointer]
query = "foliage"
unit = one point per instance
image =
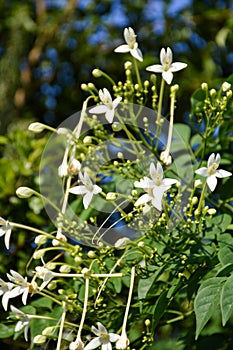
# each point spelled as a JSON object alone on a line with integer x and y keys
{"x": 89, "y": 240}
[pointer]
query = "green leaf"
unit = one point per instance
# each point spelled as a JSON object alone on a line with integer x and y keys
{"x": 206, "y": 300}
{"x": 225, "y": 254}
{"x": 43, "y": 303}
{"x": 145, "y": 284}
{"x": 226, "y": 300}
{"x": 6, "y": 331}
{"x": 225, "y": 270}
{"x": 160, "y": 308}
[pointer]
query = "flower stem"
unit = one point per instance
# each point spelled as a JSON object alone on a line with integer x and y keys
{"x": 129, "y": 299}
{"x": 160, "y": 103}
{"x": 201, "y": 198}
{"x": 84, "y": 309}
{"x": 61, "y": 327}
{"x": 137, "y": 72}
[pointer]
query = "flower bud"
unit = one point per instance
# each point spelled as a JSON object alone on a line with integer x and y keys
{"x": 64, "y": 269}
{"x": 97, "y": 73}
{"x": 36, "y": 127}
{"x": 226, "y": 86}
{"x": 24, "y": 192}
{"x": 128, "y": 65}
{"x": 40, "y": 239}
{"x": 211, "y": 211}
{"x": 204, "y": 86}
{"x": 48, "y": 331}
{"x": 39, "y": 339}
{"x": 121, "y": 243}
{"x": 111, "y": 196}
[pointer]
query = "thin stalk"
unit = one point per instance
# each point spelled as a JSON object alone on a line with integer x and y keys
{"x": 84, "y": 309}
{"x": 137, "y": 72}
{"x": 61, "y": 327}
{"x": 201, "y": 198}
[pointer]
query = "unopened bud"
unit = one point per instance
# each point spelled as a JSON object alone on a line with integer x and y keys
{"x": 97, "y": 73}
{"x": 36, "y": 127}
{"x": 24, "y": 192}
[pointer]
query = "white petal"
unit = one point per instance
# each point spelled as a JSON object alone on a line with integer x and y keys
{"x": 217, "y": 158}
{"x": 122, "y": 49}
{"x": 94, "y": 343}
{"x": 212, "y": 182}
{"x": 169, "y": 55}
{"x": 98, "y": 109}
{"x": 116, "y": 102}
{"x": 202, "y": 171}
{"x": 78, "y": 190}
{"x": 109, "y": 115}
{"x": 101, "y": 328}
{"x": 211, "y": 160}
{"x": 176, "y": 66}
{"x": 222, "y": 173}
{"x": 153, "y": 170}
{"x": 146, "y": 182}
{"x": 168, "y": 182}
{"x": 163, "y": 56}
{"x": 5, "y": 300}
{"x": 157, "y": 200}
{"x": 105, "y": 95}
{"x": 87, "y": 199}
{"x": 167, "y": 76}
{"x": 160, "y": 170}
{"x": 156, "y": 68}
{"x": 113, "y": 337}
{"x": 107, "y": 346}
{"x": 7, "y": 237}
{"x": 143, "y": 199}
{"x": 97, "y": 189}
{"x": 137, "y": 53}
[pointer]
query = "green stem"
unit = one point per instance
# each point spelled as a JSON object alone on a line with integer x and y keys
{"x": 201, "y": 198}
{"x": 160, "y": 103}
{"x": 137, "y": 72}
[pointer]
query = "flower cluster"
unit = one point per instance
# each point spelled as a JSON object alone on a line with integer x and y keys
{"x": 115, "y": 179}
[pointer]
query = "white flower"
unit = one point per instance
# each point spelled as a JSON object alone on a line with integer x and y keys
{"x": 103, "y": 338}
{"x": 5, "y": 230}
{"x": 18, "y": 286}
{"x": 45, "y": 274}
{"x": 108, "y": 107}
{"x": 154, "y": 186}
{"x": 167, "y": 68}
{"x": 212, "y": 171}
{"x": 88, "y": 189}
{"x": 23, "y": 323}
{"x": 131, "y": 46}
{"x": 5, "y": 289}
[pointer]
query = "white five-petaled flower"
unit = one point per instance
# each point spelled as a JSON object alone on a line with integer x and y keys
{"x": 5, "y": 230}
{"x": 103, "y": 338}
{"x": 211, "y": 172}
{"x": 22, "y": 323}
{"x": 167, "y": 68}
{"x": 108, "y": 107}
{"x": 131, "y": 46}
{"x": 45, "y": 274}
{"x": 155, "y": 187}
{"x": 17, "y": 286}
{"x": 88, "y": 189}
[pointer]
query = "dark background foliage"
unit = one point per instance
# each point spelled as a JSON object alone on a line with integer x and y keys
{"x": 49, "y": 47}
